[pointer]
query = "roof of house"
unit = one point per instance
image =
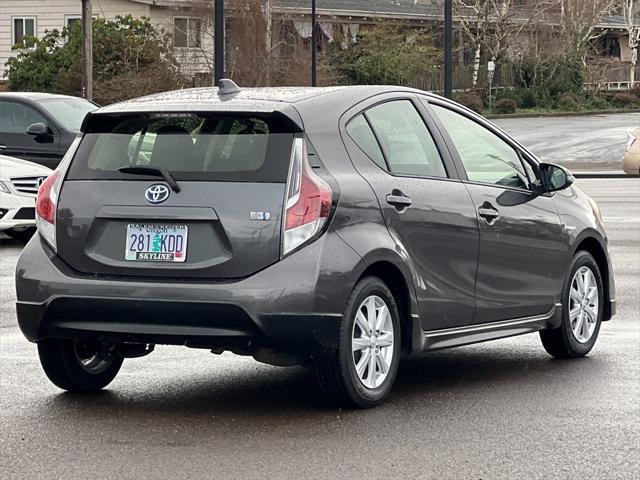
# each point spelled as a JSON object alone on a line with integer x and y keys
{"x": 399, "y": 9}
{"x": 343, "y": 7}
{"x": 390, "y": 8}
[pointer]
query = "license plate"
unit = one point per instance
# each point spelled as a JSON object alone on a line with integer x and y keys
{"x": 156, "y": 243}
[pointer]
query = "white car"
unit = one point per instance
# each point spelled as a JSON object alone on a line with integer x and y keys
{"x": 19, "y": 183}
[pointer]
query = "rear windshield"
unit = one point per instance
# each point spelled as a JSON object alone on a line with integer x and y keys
{"x": 190, "y": 146}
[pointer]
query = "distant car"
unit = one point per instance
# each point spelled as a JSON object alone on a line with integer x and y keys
{"x": 39, "y": 127}
{"x": 19, "y": 183}
{"x": 631, "y": 161}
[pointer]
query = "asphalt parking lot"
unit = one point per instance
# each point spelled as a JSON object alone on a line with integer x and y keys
{"x": 580, "y": 143}
{"x": 499, "y": 410}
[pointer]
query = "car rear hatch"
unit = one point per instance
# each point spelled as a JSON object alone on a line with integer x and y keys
{"x": 119, "y": 215}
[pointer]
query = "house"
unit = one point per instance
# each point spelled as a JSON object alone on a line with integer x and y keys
{"x": 610, "y": 67}
{"x": 20, "y": 18}
{"x": 189, "y": 24}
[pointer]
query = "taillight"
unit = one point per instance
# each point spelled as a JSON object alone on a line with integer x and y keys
{"x": 309, "y": 200}
{"x": 47, "y": 201}
{"x": 45, "y": 205}
{"x": 46, "y": 208}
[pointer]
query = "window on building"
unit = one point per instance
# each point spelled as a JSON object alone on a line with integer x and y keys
{"x": 71, "y": 20}
{"x": 610, "y": 46}
{"x": 23, "y": 27}
{"x": 186, "y": 32}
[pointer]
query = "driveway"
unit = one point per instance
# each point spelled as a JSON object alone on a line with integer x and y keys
{"x": 590, "y": 142}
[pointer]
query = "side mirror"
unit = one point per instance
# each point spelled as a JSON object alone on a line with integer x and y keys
{"x": 37, "y": 129}
{"x": 554, "y": 177}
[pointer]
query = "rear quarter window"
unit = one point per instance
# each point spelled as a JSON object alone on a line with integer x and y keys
{"x": 190, "y": 146}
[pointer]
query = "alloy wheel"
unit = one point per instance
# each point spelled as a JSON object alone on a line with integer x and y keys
{"x": 372, "y": 342}
{"x": 583, "y": 304}
{"x": 94, "y": 357}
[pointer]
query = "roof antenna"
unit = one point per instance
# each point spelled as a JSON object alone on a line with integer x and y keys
{"x": 227, "y": 86}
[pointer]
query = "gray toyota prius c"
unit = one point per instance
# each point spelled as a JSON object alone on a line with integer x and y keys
{"x": 341, "y": 228}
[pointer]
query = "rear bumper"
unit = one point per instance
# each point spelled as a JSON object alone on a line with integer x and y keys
{"x": 199, "y": 325}
{"x": 294, "y": 305}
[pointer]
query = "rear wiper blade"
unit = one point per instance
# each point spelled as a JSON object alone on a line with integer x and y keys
{"x": 153, "y": 172}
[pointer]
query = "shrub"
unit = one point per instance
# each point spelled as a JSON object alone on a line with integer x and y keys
{"x": 471, "y": 101}
{"x": 569, "y": 101}
{"x": 595, "y": 101}
{"x": 129, "y": 58}
{"x": 623, "y": 99}
{"x": 526, "y": 98}
{"x": 636, "y": 91}
{"x": 550, "y": 75}
{"x": 505, "y": 105}
{"x": 386, "y": 55}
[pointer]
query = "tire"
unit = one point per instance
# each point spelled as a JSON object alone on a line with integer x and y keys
{"x": 62, "y": 361}
{"x": 339, "y": 380}
{"x": 575, "y": 338}
{"x": 21, "y": 235}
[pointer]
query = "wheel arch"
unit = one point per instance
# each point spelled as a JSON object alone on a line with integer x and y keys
{"x": 401, "y": 287}
{"x": 594, "y": 246}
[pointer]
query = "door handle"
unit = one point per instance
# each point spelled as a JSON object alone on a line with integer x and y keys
{"x": 3, "y": 147}
{"x": 488, "y": 212}
{"x": 398, "y": 200}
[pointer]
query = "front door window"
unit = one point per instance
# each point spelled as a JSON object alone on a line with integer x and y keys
{"x": 485, "y": 156}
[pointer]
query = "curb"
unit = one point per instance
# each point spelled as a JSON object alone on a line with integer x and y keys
{"x": 498, "y": 116}
{"x": 604, "y": 174}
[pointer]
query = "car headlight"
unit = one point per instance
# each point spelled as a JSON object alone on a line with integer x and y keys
{"x": 595, "y": 209}
{"x": 4, "y": 188}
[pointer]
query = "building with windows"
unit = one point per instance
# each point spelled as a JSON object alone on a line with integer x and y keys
{"x": 189, "y": 25}
{"x": 20, "y": 19}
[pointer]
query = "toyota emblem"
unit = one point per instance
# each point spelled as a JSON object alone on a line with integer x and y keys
{"x": 157, "y": 193}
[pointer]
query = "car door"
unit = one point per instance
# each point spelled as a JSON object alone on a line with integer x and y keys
{"x": 523, "y": 248}
{"x": 426, "y": 208}
{"x": 15, "y": 119}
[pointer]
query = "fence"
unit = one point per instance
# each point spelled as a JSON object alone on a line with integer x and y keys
{"x": 610, "y": 77}
{"x": 504, "y": 77}
{"x": 601, "y": 77}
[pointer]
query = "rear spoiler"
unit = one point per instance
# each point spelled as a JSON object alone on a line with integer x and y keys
{"x": 96, "y": 121}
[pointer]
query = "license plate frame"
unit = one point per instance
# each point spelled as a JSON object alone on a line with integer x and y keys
{"x": 156, "y": 242}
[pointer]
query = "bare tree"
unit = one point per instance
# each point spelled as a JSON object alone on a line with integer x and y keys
{"x": 488, "y": 24}
{"x": 631, "y": 12}
{"x": 475, "y": 18}
{"x": 509, "y": 21}
{"x": 578, "y": 20}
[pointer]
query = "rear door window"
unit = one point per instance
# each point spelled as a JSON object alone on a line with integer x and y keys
{"x": 405, "y": 140}
{"x": 360, "y": 131}
{"x": 190, "y": 146}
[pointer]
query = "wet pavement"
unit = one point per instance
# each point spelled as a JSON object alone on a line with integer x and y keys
{"x": 499, "y": 410}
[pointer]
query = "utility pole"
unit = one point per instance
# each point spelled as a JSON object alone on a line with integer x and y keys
{"x": 87, "y": 50}
{"x": 314, "y": 46}
{"x": 448, "y": 48}
{"x": 218, "y": 35}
